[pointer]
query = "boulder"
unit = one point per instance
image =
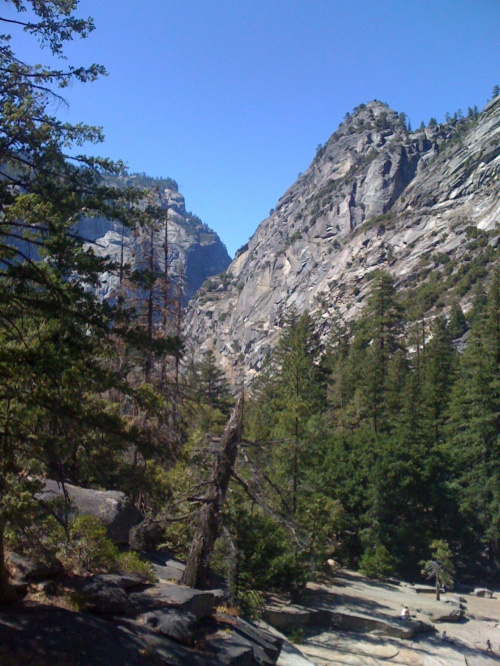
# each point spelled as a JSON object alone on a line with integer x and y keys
{"x": 265, "y": 646}
{"x": 483, "y": 592}
{"x": 287, "y": 617}
{"x": 177, "y": 625}
{"x": 105, "y": 599}
{"x": 33, "y": 568}
{"x": 269, "y": 643}
{"x": 147, "y": 535}
{"x": 448, "y": 615}
{"x": 162, "y": 650}
{"x": 113, "y": 507}
{"x": 425, "y": 589}
{"x": 232, "y": 649}
{"x": 166, "y": 566}
{"x": 200, "y": 603}
{"x": 125, "y": 581}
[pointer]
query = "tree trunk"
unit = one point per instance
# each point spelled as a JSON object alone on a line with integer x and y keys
{"x": 438, "y": 591}
{"x": 209, "y": 519}
{"x": 5, "y": 589}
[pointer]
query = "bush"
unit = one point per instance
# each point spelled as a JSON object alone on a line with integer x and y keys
{"x": 89, "y": 548}
{"x": 376, "y": 562}
{"x": 131, "y": 563}
{"x": 251, "y": 603}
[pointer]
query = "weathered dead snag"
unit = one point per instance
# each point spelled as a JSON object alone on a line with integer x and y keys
{"x": 210, "y": 513}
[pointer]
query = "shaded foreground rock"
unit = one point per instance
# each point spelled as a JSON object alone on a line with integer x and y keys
{"x": 63, "y": 637}
{"x": 231, "y": 648}
{"x": 172, "y": 623}
{"x": 235, "y": 636}
{"x": 57, "y": 634}
{"x": 112, "y": 507}
{"x": 200, "y": 603}
{"x": 105, "y": 599}
{"x": 34, "y": 569}
{"x": 270, "y": 643}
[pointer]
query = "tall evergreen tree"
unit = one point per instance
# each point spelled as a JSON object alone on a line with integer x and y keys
{"x": 439, "y": 365}
{"x": 286, "y": 400}
{"x": 475, "y": 421}
{"x": 54, "y": 367}
{"x": 211, "y": 384}
{"x": 376, "y": 341}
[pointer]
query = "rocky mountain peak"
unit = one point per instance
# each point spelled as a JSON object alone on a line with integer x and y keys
{"x": 376, "y": 195}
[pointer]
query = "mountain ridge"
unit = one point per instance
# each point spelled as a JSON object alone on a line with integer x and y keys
{"x": 376, "y": 195}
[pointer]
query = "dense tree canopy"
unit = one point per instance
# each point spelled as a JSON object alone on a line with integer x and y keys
{"x": 60, "y": 415}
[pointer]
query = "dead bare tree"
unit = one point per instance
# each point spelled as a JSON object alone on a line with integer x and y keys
{"x": 210, "y": 513}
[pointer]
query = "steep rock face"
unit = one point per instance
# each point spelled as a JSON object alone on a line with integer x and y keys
{"x": 195, "y": 252}
{"x": 375, "y": 196}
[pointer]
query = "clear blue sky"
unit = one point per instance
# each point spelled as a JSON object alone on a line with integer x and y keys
{"x": 231, "y": 97}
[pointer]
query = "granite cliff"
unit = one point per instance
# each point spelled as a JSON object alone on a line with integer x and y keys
{"x": 195, "y": 251}
{"x": 423, "y": 205}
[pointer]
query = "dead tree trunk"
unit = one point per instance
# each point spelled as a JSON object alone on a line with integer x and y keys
{"x": 209, "y": 518}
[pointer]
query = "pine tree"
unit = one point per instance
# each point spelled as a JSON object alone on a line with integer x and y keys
{"x": 287, "y": 399}
{"x": 475, "y": 421}
{"x": 438, "y": 369}
{"x": 211, "y": 387}
{"x": 377, "y": 339}
{"x": 54, "y": 333}
{"x": 457, "y": 323}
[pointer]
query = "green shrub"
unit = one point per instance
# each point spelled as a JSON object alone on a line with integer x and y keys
{"x": 89, "y": 548}
{"x": 376, "y": 562}
{"x": 41, "y": 538}
{"x": 131, "y": 563}
{"x": 251, "y": 603}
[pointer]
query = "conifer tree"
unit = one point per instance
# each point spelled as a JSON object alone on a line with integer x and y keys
{"x": 475, "y": 421}
{"x": 439, "y": 365}
{"x": 286, "y": 401}
{"x": 54, "y": 333}
{"x": 377, "y": 339}
{"x": 457, "y": 323}
{"x": 211, "y": 385}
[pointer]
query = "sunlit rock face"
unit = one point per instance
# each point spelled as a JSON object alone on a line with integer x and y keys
{"x": 195, "y": 252}
{"x": 375, "y": 196}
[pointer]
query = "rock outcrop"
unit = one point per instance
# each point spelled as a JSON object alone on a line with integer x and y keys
{"x": 376, "y": 196}
{"x": 118, "y": 514}
{"x": 182, "y": 627}
{"x": 195, "y": 252}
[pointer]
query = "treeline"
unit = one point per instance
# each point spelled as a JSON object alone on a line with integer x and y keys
{"x": 380, "y": 445}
